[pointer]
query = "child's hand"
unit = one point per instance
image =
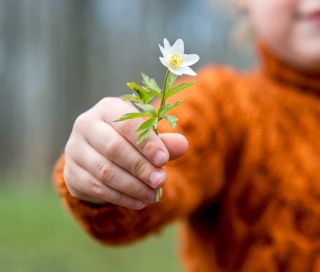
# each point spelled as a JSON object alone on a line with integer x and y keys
{"x": 103, "y": 163}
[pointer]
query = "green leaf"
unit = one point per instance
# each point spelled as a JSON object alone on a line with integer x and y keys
{"x": 132, "y": 115}
{"x": 150, "y": 82}
{"x": 164, "y": 109}
{"x": 147, "y": 107}
{"x": 147, "y": 124}
{"x": 171, "y": 119}
{"x": 132, "y": 98}
{"x": 177, "y": 89}
{"x": 154, "y": 92}
{"x": 151, "y": 85}
{"x": 144, "y": 134}
{"x": 171, "y": 78}
{"x": 141, "y": 92}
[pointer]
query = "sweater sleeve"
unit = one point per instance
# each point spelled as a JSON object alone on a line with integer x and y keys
{"x": 208, "y": 119}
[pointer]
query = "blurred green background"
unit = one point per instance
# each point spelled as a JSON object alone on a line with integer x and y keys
{"x": 37, "y": 235}
{"x": 57, "y": 59}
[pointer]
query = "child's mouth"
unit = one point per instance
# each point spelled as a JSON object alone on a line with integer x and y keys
{"x": 309, "y": 10}
{"x": 315, "y": 16}
{"x": 312, "y": 16}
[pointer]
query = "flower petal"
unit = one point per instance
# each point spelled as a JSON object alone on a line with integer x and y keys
{"x": 187, "y": 71}
{"x": 164, "y": 52}
{"x": 178, "y": 47}
{"x": 175, "y": 71}
{"x": 167, "y": 45}
{"x": 164, "y": 62}
{"x": 190, "y": 60}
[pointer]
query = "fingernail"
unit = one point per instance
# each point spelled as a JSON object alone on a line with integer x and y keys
{"x": 156, "y": 178}
{"x": 160, "y": 158}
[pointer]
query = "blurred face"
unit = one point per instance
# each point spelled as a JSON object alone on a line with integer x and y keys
{"x": 291, "y": 28}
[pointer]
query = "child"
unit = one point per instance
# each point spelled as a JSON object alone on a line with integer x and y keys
{"x": 248, "y": 189}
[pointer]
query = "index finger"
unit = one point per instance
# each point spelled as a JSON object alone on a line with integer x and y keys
{"x": 152, "y": 147}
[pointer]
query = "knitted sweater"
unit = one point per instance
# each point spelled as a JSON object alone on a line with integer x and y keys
{"x": 247, "y": 192}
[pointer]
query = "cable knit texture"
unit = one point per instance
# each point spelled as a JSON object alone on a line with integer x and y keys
{"x": 247, "y": 192}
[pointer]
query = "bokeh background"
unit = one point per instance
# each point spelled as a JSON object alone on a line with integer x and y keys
{"x": 57, "y": 59}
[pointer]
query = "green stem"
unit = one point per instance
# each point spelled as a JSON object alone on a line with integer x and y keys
{"x": 156, "y": 131}
{"x": 163, "y": 101}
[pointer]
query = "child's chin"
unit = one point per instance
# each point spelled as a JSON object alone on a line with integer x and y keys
{"x": 308, "y": 53}
{"x": 313, "y": 66}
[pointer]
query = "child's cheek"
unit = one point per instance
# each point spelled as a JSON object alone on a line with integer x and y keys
{"x": 273, "y": 19}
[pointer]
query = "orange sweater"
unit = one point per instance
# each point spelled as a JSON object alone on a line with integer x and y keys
{"x": 247, "y": 192}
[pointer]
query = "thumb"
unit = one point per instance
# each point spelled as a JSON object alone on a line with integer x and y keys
{"x": 176, "y": 144}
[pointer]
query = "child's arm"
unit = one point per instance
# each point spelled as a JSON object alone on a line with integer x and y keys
{"x": 196, "y": 178}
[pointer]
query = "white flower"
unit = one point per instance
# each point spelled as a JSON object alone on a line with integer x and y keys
{"x": 175, "y": 59}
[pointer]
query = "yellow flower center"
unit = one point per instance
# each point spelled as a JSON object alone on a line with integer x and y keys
{"x": 176, "y": 60}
